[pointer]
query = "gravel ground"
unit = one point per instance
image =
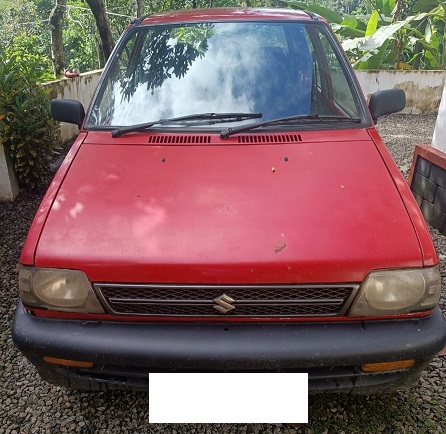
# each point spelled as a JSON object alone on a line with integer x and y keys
{"x": 29, "y": 405}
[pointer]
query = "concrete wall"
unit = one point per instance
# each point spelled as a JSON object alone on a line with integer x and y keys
{"x": 427, "y": 177}
{"x": 423, "y": 93}
{"x": 423, "y": 88}
{"x": 438, "y": 139}
{"x": 80, "y": 88}
{"x": 427, "y": 180}
{"x": 9, "y": 188}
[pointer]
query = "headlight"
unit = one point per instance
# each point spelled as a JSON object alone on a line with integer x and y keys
{"x": 57, "y": 289}
{"x": 393, "y": 292}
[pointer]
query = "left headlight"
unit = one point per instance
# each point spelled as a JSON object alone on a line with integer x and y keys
{"x": 57, "y": 289}
{"x": 393, "y": 292}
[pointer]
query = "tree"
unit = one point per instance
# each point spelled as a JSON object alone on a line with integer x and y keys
{"x": 98, "y": 9}
{"x": 139, "y": 8}
{"x": 14, "y": 15}
{"x": 401, "y": 34}
{"x": 57, "y": 18}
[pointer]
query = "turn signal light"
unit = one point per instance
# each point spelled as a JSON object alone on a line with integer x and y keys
{"x": 67, "y": 362}
{"x": 387, "y": 366}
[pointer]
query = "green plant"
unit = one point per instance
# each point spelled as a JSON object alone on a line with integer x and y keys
{"x": 389, "y": 34}
{"x": 24, "y": 49}
{"x": 27, "y": 128}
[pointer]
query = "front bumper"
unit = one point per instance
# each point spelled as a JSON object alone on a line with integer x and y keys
{"x": 331, "y": 352}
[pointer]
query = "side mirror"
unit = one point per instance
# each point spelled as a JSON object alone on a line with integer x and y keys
{"x": 385, "y": 102}
{"x": 67, "y": 110}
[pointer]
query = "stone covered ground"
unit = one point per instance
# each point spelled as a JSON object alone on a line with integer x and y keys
{"x": 29, "y": 405}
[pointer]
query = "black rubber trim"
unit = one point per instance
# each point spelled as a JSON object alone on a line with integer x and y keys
{"x": 230, "y": 346}
{"x": 125, "y": 353}
{"x": 312, "y": 15}
{"x": 139, "y": 20}
{"x": 345, "y": 380}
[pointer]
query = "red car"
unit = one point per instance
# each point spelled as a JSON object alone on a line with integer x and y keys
{"x": 228, "y": 205}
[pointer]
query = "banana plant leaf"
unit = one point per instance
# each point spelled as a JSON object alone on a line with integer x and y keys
{"x": 424, "y": 5}
{"x": 384, "y": 33}
{"x": 372, "y": 25}
{"x": 387, "y": 7}
{"x": 328, "y": 14}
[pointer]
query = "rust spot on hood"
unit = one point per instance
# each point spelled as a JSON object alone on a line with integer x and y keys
{"x": 280, "y": 245}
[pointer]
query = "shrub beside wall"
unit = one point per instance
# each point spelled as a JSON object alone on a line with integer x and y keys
{"x": 28, "y": 132}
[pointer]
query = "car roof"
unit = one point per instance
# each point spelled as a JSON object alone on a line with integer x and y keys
{"x": 230, "y": 14}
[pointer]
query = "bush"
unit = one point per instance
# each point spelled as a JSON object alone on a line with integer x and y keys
{"x": 28, "y": 131}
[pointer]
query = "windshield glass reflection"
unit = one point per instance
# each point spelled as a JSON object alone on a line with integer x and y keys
{"x": 173, "y": 71}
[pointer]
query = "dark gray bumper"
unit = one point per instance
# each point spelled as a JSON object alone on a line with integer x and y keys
{"x": 330, "y": 352}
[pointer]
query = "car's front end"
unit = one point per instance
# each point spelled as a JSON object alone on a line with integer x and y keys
{"x": 211, "y": 218}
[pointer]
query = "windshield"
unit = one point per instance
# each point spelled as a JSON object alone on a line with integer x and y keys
{"x": 172, "y": 71}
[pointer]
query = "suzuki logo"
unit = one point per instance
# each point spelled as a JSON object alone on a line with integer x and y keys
{"x": 223, "y": 303}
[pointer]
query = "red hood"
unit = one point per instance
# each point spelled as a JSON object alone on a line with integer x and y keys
{"x": 314, "y": 211}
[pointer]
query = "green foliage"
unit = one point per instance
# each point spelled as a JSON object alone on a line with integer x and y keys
{"x": 80, "y": 36}
{"x": 80, "y": 39}
{"x": 25, "y": 18}
{"x": 27, "y": 128}
{"x": 396, "y": 34}
{"x": 24, "y": 50}
{"x": 390, "y": 34}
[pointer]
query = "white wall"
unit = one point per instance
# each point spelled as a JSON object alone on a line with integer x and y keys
{"x": 9, "y": 188}
{"x": 423, "y": 94}
{"x": 423, "y": 88}
{"x": 80, "y": 88}
{"x": 438, "y": 139}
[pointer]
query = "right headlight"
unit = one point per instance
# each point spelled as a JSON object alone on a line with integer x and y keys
{"x": 393, "y": 292}
{"x": 57, "y": 289}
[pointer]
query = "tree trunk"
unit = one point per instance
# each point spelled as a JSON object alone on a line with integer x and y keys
{"x": 57, "y": 18}
{"x": 139, "y": 8}
{"x": 98, "y": 9}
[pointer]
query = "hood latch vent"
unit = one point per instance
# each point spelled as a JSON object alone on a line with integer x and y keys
{"x": 179, "y": 139}
{"x": 270, "y": 138}
{"x": 204, "y": 139}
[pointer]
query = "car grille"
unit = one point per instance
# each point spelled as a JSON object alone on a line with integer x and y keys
{"x": 227, "y": 300}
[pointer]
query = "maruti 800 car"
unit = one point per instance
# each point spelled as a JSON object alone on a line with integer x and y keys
{"x": 228, "y": 205}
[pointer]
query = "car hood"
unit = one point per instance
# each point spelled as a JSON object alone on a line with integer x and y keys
{"x": 314, "y": 211}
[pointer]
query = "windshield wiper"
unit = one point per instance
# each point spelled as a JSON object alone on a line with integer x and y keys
{"x": 217, "y": 117}
{"x": 282, "y": 121}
